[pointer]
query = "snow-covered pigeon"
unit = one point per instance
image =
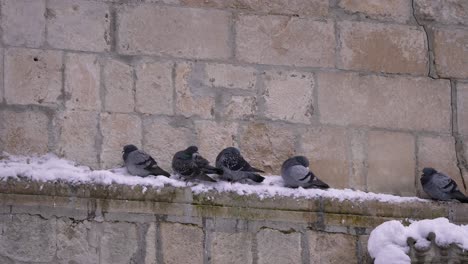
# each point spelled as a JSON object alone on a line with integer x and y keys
{"x": 141, "y": 163}
{"x": 235, "y": 167}
{"x": 296, "y": 173}
{"x": 190, "y": 165}
{"x": 440, "y": 186}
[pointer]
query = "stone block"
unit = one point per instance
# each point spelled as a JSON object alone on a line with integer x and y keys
{"x": 181, "y": 243}
{"x": 23, "y": 22}
{"x": 24, "y": 132}
{"x": 118, "y": 130}
{"x": 179, "y": 32}
{"x": 78, "y": 136}
{"x": 28, "y": 238}
{"x": 358, "y": 143}
{"x": 118, "y": 83}
{"x": 450, "y": 52}
{"x": 78, "y": 25}
{"x": 230, "y": 76}
{"x": 462, "y": 108}
{"x": 277, "y": 247}
{"x": 150, "y": 239}
{"x": 394, "y": 10}
{"x": 189, "y": 101}
{"x": 285, "y": 41}
{"x": 365, "y": 257}
{"x": 82, "y": 82}
{"x": 239, "y": 107}
{"x": 231, "y": 248}
{"x": 383, "y": 48}
{"x": 33, "y": 76}
{"x": 72, "y": 242}
{"x": 442, "y": 11}
{"x": 388, "y": 102}
{"x": 326, "y": 149}
{"x": 214, "y": 137}
{"x": 267, "y": 146}
{"x": 331, "y": 248}
{"x": 118, "y": 243}
{"x": 391, "y": 163}
{"x": 154, "y": 89}
{"x": 289, "y": 96}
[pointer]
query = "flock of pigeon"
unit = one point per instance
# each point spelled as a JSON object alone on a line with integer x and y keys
{"x": 231, "y": 166}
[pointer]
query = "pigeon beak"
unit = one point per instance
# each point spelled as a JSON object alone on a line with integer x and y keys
{"x": 195, "y": 154}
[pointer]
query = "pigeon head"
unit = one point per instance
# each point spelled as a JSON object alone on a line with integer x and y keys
{"x": 302, "y": 160}
{"x": 129, "y": 148}
{"x": 232, "y": 150}
{"x": 428, "y": 171}
{"x": 191, "y": 150}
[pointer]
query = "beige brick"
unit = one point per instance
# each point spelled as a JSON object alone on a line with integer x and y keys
{"x": 82, "y": 82}
{"x": 365, "y": 256}
{"x": 78, "y": 25}
{"x": 387, "y": 10}
{"x": 150, "y": 239}
{"x": 285, "y": 41}
{"x": 289, "y": 96}
{"x": 391, "y": 163}
{"x": 214, "y": 137}
{"x": 118, "y": 243}
{"x": 230, "y": 76}
{"x": 118, "y": 130}
{"x": 442, "y": 11}
{"x": 451, "y": 51}
{"x": 154, "y": 90}
{"x": 331, "y": 248}
{"x": 118, "y": 82}
{"x": 180, "y": 32}
{"x": 73, "y": 242}
{"x": 383, "y": 48}
{"x": 240, "y": 107}
{"x": 33, "y": 76}
{"x": 188, "y": 101}
{"x": 462, "y": 108}
{"x": 277, "y": 247}
{"x": 23, "y": 22}
{"x": 23, "y": 133}
{"x": 78, "y": 137}
{"x": 2, "y": 86}
{"x": 227, "y": 248}
{"x": 326, "y": 149}
{"x": 267, "y": 146}
{"x": 388, "y": 102}
{"x": 181, "y": 243}
{"x": 358, "y": 143}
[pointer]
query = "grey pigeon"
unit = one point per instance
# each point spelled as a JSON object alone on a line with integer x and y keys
{"x": 235, "y": 167}
{"x": 296, "y": 173}
{"x": 190, "y": 165}
{"x": 141, "y": 163}
{"x": 440, "y": 186}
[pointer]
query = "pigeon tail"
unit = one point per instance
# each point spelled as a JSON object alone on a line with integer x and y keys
{"x": 203, "y": 177}
{"x": 460, "y": 197}
{"x": 158, "y": 171}
{"x": 212, "y": 170}
{"x": 257, "y": 170}
{"x": 317, "y": 183}
{"x": 255, "y": 177}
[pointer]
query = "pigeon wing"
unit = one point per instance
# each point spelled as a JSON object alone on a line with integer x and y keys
{"x": 444, "y": 183}
{"x": 142, "y": 159}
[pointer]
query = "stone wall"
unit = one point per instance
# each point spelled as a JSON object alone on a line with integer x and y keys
{"x": 370, "y": 91}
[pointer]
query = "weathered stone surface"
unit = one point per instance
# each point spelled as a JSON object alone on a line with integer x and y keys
{"x": 267, "y": 146}
{"x": 23, "y": 132}
{"x": 28, "y": 238}
{"x": 364, "y": 253}
{"x": 118, "y": 82}
{"x": 118, "y": 130}
{"x": 154, "y": 90}
{"x": 181, "y": 243}
{"x": 78, "y": 135}
{"x": 230, "y": 76}
{"x": 180, "y": 32}
{"x": 462, "y": 108}
{"x": 119, "y": 243}
{"x": 23, "y": 22}
{"x": 442, "y": 11}
{"x": 289, "y": 96}
{"x": 33, "y": 76}
{"x": 331, "y": 248}
{"x": 213, "y": 137}
{"x": 189, "y": 101}
{"x": 326, "y": 148}
{"x": 277, "y": 247}
{"x": 387, "y": 10}
{"x": 82, "y": 82}
{"x": 450, "y": 52}
{"x": 285, "y": 41}
{"x": 358, "y": 143}
{"x": 389, "y": 102}
{"x": 383, "y": 48}
{"x": 239, "y": 107}
{"x": 231, "y": 248}
{"x": 78, "y": 25}
{"x": 150, "y": 239}
{"x": 72, "y": 242}
{"x": 391, "y": 163}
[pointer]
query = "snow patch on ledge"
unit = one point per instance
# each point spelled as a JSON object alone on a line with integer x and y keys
{"x": 51, "y": 168}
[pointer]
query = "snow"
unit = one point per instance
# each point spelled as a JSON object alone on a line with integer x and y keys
{"x": 51, "y": 168}
{"x": 388, "y": 242}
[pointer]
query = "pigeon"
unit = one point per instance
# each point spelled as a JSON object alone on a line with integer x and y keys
{"x": 141, "y": 163}
{"x": 440, "y": 186}
{"x": 235, "y": 167}
{"x": 296, "y": 173}
{"x": 192, "y": 166}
